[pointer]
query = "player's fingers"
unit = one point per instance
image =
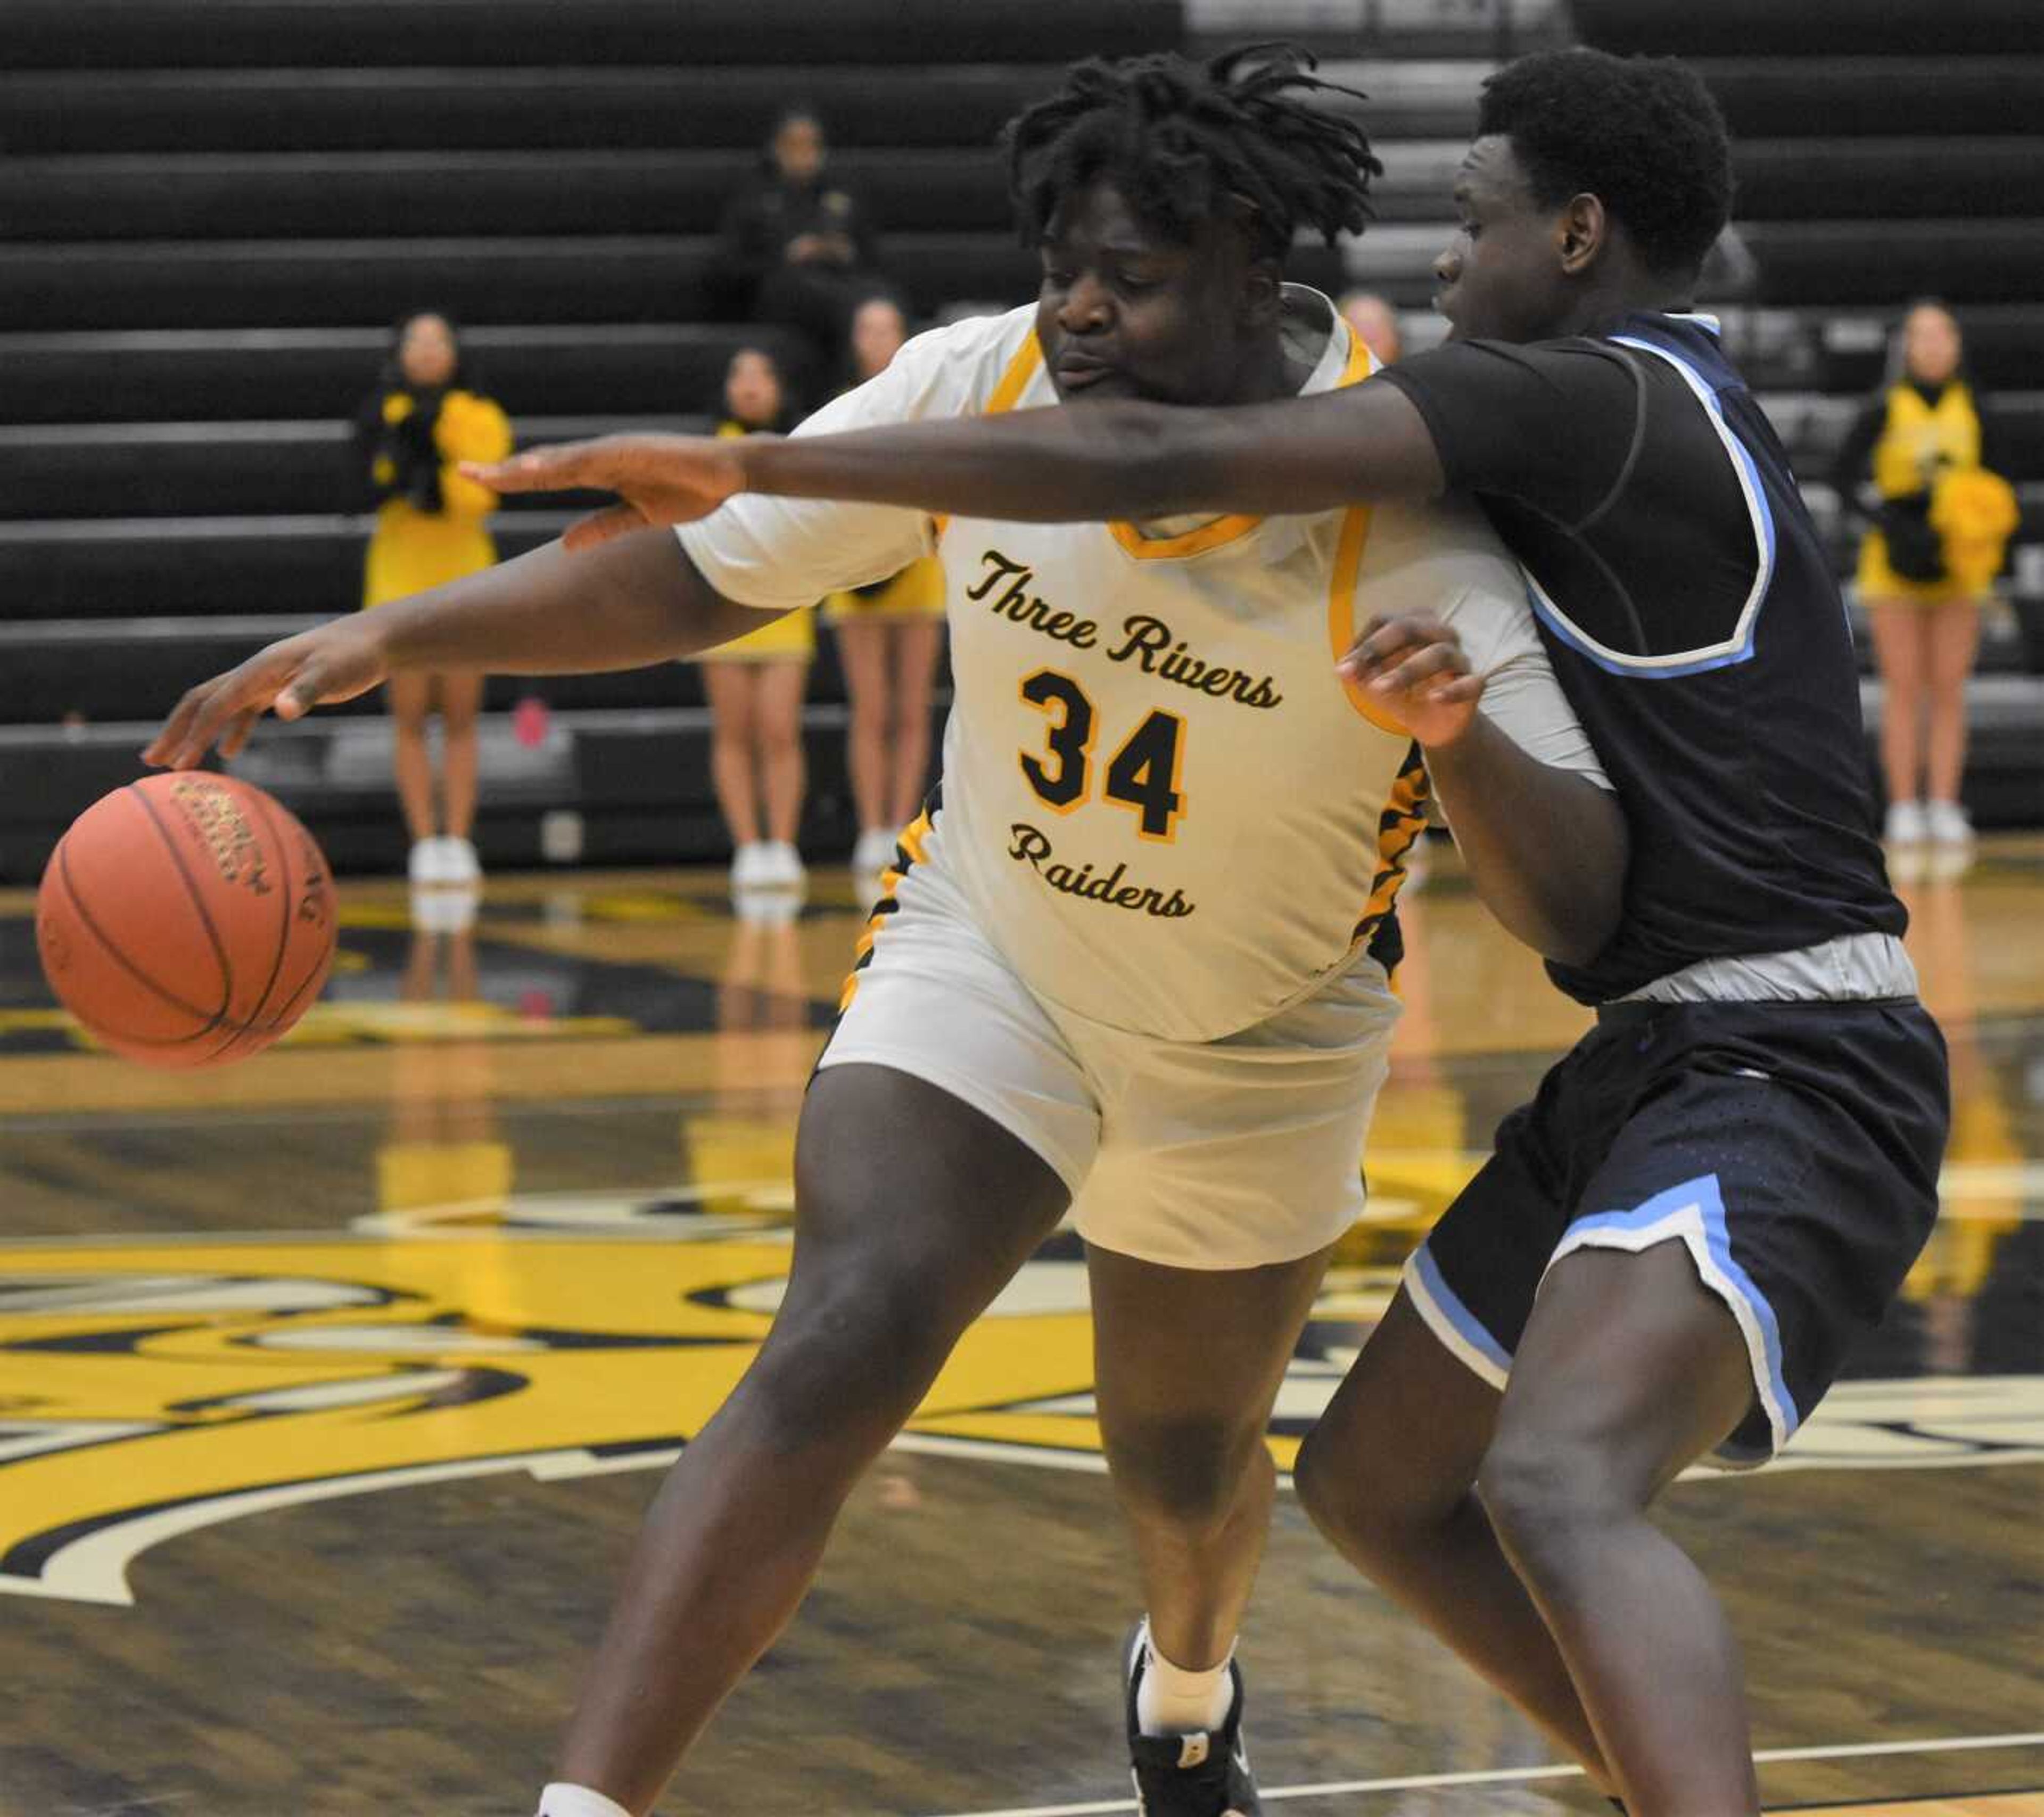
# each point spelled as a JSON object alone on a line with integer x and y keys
{"x": 601, "y": 526}
{"x": 1435, "y": 659}
{"x": 235, "y": 692}
{"x": 557, "y": 469}
{"x": 1369, "y": 656}
{"x": 1384, "y": 639}
{"x": 336, "y": 671}
{"x": 235, "y": 736}
{"x": 1456, "y": 691}
{"x": 167, "y": 747}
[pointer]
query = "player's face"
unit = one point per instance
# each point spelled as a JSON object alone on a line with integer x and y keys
{"x": 1500, "y": 278}
{"x": 1124, "y": 313}
{"x": 426, "y": 355}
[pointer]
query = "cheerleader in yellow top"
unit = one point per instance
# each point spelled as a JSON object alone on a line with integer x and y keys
{"x": 889, "y": 636}
{"x": 423, "y": 419}
{"x": 1939, "y": 530}
{"x": 755, "y": 685}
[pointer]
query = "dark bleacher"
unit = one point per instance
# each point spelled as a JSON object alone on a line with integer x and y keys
{"x": 397, "y": 34}
{"x": 213, "y": 210}
{"x": 1889, "y": 152}
{"x": 229, "y": 374}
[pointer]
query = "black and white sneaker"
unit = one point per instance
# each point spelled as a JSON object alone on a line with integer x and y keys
{"x": 1200, "y": 1775}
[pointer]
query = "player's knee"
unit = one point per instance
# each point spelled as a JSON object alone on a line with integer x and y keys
{"x": 1361, "y": 1508}
{"x": 846, "y": 1361}
{"x": 1183, "y": 1474}
{"x": 1547, "y": 1494}
{"x": 1334, "y": 1490}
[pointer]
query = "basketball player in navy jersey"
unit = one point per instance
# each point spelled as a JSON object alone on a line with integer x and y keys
{"x": 1724, "y": 1183}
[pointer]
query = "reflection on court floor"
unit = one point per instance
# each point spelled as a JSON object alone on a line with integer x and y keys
{"x": 333, "y": 1382}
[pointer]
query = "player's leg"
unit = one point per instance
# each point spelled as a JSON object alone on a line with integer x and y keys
{"x": 914, "y": 1210}
{"x": 1773, "y": 1180}
{"x": 917, "y": 643}
{"x": 1952, "y": 635}
{"x": 410, "y": 698}
{"x": 861, "y": 648}
{"x": 777, "y": 703}
{"x": 1630, "y": 1369}
{"x": 461, "y": 701}
{"x": 1899, "y": 644}
{"x": 1188, "y": 1364}
{"x": 1226, "y": 1171}
{"x": 1388, "y": 1475}
{"x": 729, "y": 686}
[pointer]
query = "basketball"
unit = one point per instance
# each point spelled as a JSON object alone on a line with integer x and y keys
{"x": 187, "y": 920}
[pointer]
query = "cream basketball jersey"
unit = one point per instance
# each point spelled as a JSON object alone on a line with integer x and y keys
{"x": 1167, "y": 811}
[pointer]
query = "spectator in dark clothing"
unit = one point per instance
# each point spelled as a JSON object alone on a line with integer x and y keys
{"x": 799, "y": 248}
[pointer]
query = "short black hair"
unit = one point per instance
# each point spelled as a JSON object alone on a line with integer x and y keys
{"x": 1185, "y": 142}
{"x": 1641, "y": 134}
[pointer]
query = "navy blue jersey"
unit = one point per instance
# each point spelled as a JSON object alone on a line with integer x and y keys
{"x": 1692, "y": 618}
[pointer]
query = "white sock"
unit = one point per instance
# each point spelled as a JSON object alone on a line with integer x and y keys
{"x": 1172, "y": 1701}
{"x": 577, "y": 1801}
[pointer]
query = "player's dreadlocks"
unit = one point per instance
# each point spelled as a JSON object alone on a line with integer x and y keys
{"x": 1185, "y": 142}
{"x": 1642, "y": 134}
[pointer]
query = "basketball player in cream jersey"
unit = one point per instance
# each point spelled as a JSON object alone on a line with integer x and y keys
{"x": 1132, "y": 962}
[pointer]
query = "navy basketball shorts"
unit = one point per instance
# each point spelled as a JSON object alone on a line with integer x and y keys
{"x": 1793, "y": 1148}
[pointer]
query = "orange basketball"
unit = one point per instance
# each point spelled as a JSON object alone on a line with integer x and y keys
{"x": 187, "y": 919}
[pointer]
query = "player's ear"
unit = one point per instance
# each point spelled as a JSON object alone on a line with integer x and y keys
{"x": 1262, "y": 292}
{"x": 1582, "y": 232}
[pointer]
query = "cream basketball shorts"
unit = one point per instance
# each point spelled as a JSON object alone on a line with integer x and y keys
{"x": 1236, "y": 1153}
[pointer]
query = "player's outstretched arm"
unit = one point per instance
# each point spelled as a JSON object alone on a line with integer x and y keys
{"x": 637, "y": 600}
{"x": 1083, "y": 462}
{"x": 1134, "y": 461}
{"x": 1547, "y": 848}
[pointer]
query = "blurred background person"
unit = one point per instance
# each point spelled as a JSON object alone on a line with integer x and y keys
{"x": 799, "y": 248}
{"x": 755, "y": 686}
{"x": 1373, "y": 321}
{"x": 425, "y": 416}
{"x": 1939, "y": 522}
{"x": 889, "y": 636}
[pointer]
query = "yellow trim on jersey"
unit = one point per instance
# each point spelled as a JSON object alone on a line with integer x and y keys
{"x": 1028, "y": 362}
{"x": 1399, "y": 828}
{"x": 910, "y": 842}
{"x": 1222, "y": 531}
{"x": 1348, "y": 560}
{"x": 1341, "y": 610}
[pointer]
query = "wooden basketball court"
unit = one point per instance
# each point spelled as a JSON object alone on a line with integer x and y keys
{"x": 332, "y": 1386}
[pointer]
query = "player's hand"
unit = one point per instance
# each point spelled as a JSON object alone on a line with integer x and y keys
{"x": 662, "y": 479}
{"x": 335, "y": 662}
{"x": 1415, "y": 676}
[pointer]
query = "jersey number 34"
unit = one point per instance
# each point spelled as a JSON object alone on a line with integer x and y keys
{"x": 1144, "y": 775}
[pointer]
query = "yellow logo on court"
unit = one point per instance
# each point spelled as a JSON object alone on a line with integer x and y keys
{"x": 148, "y": 1389}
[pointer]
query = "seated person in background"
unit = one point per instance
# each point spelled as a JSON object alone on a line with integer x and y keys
{"x": 799, "y": 248}
{"x": 889, "y": 636}
{"x": 424, "y": 417}
{"x": 1373, "y": 322}
{"x": 755, "y": 684}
